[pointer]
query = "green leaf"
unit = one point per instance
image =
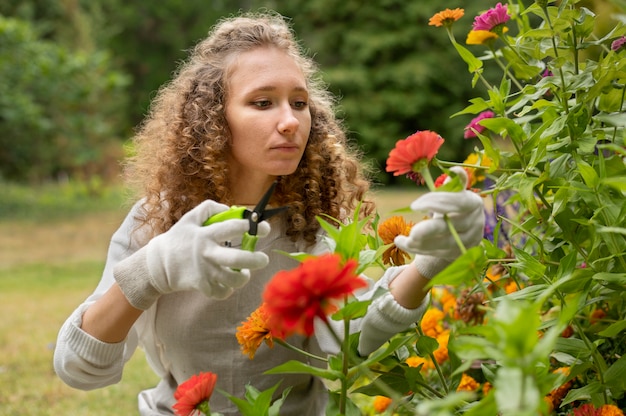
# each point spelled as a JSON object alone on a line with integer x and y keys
{"x": 352, "y": 310}
{"x": 617, "y": 182}
{"x": 516, "y": 392}
{"x": 396, "y": 379}
{"x": 607, "y": 277}
{"x": 614, "y": 329}
{"x": 583, "y": 393}
{"x": 615, "y": 374}
{"x": 528, "y": 265}
{"x": 298, "y": 367}
{"x": 257, "y": 403}
{"x": 466, "y": 267}
{"x": 426, "y": 345}
{"x": 588, "y": 173}
{"x": 473, "y": 64}
{"x": 614, "y": 119}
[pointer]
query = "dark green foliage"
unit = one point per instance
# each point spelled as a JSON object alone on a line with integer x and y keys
{"x": 394, "y": 73}
{"x": 57, "y": 106}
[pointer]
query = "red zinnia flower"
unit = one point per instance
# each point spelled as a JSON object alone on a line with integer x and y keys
{"x": 473, "y": 126}
{"x": 194, "y": 394}
{"x": 492, "y": 18}
{"x": 585, "y": 410}
{"x": 295, "y": 297}
{"x": 410, "y": 153}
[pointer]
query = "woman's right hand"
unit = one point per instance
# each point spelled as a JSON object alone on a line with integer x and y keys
{"x": 190, "y": 256}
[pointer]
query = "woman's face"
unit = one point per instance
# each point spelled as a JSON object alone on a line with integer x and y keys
{"x": 267, "y": 110}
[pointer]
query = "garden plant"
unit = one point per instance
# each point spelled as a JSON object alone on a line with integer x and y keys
{"x": 531, "y": 321}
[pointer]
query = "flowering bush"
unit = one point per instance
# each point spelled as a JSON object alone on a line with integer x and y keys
{"x": 532, "y": 321}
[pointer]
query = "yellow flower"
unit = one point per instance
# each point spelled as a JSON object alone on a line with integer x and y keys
{"x": 467, "y": 383}
{"x": 480, "y": 37}
{"x": 388, "y": 230}
{"x": 446, "y": 17}
{"x": 477, "y": 174}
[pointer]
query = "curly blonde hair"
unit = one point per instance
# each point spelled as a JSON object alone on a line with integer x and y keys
{"x": 181, "y": 147}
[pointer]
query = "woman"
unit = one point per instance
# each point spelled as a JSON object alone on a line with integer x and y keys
{"x": 246, "y": 109}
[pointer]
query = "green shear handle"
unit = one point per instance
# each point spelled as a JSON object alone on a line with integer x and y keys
{"x": 233, "y": 213}
{"x": 254, "y": 217}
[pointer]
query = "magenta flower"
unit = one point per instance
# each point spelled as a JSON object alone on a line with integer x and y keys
{"x": 492, "y": 18}
{"x": 473, "y": 126}
{"x": 618, "y": 43}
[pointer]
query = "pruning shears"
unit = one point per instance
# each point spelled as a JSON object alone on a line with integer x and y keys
{"x": 254, "y": 217}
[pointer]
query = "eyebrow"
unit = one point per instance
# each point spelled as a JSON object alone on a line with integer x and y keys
{"x": 272, "y": 88}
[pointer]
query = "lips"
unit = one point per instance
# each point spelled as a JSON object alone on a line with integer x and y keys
{"x": 285, "y": 146}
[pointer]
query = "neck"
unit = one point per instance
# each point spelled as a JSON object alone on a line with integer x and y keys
{"x": 249, "y": 192}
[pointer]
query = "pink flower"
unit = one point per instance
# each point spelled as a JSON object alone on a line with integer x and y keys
{"x": 492, "y": 18}
{"x": 474, "y": 126}
{"x": 618, "y": 43}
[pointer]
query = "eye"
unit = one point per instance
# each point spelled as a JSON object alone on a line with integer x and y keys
{"x": 262, "y": 103}
{"x": 300, "y": 104}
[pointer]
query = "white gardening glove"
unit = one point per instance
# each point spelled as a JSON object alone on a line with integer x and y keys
{"x": 431, "y": 240}
{"x": 190, "y": 256}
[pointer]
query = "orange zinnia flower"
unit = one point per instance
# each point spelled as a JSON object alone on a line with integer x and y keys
{"x": 441, "y": 353}
{"x": 431, "y": 322}
{"x": 609, "y": 410}
{"x": 446, "y": 17}
{"x": 467, "y": 383}
{"x": 415, "y": 362}
{"x": 381, "y": 403}
{"x": 414, "y": 153}
{"x": 254, "y": 331}
{"x": 194, "y": 394}
{"x": 388, "y": 230}
{"x": 295, "y": 297}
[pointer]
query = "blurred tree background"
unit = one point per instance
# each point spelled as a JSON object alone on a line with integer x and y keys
{"x": 76, "y": 76}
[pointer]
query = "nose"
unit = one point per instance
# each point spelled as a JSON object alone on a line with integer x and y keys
{"x": 288, "y": 123}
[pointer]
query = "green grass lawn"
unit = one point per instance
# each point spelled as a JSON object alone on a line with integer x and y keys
{"x": 51, "y": 258}
{"x": 35, "y": 299}
{"x": 52, "y": 252}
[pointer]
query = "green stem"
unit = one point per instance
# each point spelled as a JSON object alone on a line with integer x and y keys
{"x": 505, "y": 69}
{"x": 301, "y": 351}
{"x": 426, "y": 386}
{"x": 428, "y": 179}
{"x": 562, "y": 98}
{"x": 345, "y": 346}
{"x": 442, "y": 378}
